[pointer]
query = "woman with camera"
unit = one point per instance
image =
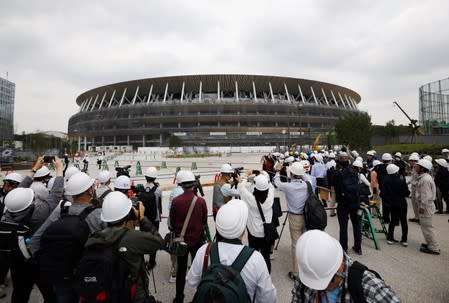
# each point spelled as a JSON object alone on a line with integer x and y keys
{"x": 259, "y": 196}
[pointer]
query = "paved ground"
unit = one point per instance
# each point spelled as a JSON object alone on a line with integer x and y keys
{"x": 415, "y": 276}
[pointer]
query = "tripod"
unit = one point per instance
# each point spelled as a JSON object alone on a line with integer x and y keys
{"x": 282, "y": 230}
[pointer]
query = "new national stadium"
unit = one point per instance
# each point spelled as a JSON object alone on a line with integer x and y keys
{"x": 210, "y": 110}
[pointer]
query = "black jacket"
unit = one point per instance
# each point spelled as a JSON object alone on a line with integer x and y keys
{"x": 442, "y": 179}
{"x": 394, "y": 190}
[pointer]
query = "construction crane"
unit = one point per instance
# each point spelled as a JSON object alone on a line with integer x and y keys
{"x": 416, "y": 129}
{"x": 316, "y": 142}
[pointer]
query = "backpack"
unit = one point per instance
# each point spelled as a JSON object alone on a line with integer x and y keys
{"x": 13, "y": 235}
{"x": 221, "y": 283}
{"x": 315, "y": 215}
{"x": 149, "y": 201}
{"x": 62, "y": 245}
{"x": 355, "y": 274}
{"x": 268, "y": 165}
{"x": 103, "y": 276}
{"x": 350, "y": 188}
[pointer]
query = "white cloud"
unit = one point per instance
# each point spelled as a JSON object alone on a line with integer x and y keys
{"x": 56, "y": 50}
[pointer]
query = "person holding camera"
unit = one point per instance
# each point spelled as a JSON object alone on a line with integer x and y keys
{"x": 259, "y": 197}
{"x": 224, "y": 189}
{"x": 133, "y": 244}
{"x": 195, "y": 228}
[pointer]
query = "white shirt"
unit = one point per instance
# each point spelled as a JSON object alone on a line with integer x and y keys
{"x": 255, "y": 223}
{"x": 254, "y": 273}
{"x": 318, "y": 170}
{"x": 227, "y": 191}
{"x": 330, "y": 164}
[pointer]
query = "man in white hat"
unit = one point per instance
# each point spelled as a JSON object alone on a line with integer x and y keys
{"x": 426, "y": 192}
{"x": 445, "y": 153}
{"x": 413, "y": 181}
{"x": 231, "y": 225}
{"x": 442, "y": 184}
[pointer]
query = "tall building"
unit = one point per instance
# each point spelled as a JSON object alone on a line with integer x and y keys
{"x": 7, "y": 93}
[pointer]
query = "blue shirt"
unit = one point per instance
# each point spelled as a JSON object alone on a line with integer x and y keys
{"x": 318, "y": 170}
{"x": 295, "y": 193}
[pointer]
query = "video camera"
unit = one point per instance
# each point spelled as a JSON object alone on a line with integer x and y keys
{"x": 237, "y": 171}
{"x": 123, "y": 171}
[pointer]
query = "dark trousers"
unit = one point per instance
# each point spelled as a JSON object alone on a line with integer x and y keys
{"x": 152, "y": 260}
{"x": 4, "y": 267}
{"x": 65, "y": 294}
{"x": 260, "y": 245}
{"x": 24, "y": 275}
{"x": 398, "y": 214}
{"x": 386, "y": 211}
{"x": 343, "y": 217}
{"x": 181, "y": 273}
{"x": 99, "y": 164}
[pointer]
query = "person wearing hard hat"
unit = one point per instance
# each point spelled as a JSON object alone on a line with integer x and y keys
{"x": 231, "y": 225}
{"x": 224, "y": 188}
{"x": 319, "y": 172}
{"x": 195, "y": 228}
{"x": 425, "y": 194}
{"x": 259, "y": 197}
{"x": 22, "y": 208}
{"x": 413, "y": 181}
{"x": 100, "y": 159}
{"x": 82, "y": 188}
{"x": 116, "y": 211}
{"x": 330, "y": 173}
{"x": 103, "y": 184}
{"x": 399, "y": 163}
{"x": 445, "y": 154}
{"x": 442, "y": 185}
{"x": 328, "y": 274}
{"x": 152, "y": 200}
{"x": 395, "y": 190}
{"x": 374, "y": 182}
{"x": 39, "y": 185}
{"x": 364, "y": 184}
{"x": 85, "y": 162}
{"x": 381, "y": 173}
{"x": 122, "y": 184}
{"x": 370, "y": 157}
{"x": 296, "y": 194}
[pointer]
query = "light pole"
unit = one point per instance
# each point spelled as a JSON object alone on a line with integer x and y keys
{"x": 283, "y": 133}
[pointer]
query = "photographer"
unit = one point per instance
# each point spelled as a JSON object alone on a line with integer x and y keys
{"x": 225, "y": 188}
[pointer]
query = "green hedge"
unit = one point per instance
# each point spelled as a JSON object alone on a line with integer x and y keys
{"x": 429, "y": 149}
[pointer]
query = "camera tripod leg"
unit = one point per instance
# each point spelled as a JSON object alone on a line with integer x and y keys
{"x": 282, "y": 230}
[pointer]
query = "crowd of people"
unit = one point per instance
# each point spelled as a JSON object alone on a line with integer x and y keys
{"x": 65, "y": 233}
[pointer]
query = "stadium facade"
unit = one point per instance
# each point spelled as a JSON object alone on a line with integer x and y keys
{"x": 434, "y": 107}
{"x": 210, "y": 110}
{"x": 7, "y": 95}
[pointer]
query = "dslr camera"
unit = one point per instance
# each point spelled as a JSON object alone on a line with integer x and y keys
{"x": 123, "y": 171}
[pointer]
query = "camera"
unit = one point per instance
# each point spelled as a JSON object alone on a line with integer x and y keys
{"x": 123, "y": 171}
{"x": 238, "y": 171}
{"x": 49, "y": 159}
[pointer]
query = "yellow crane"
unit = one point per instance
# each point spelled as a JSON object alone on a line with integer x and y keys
{"x": 316, "y": 142}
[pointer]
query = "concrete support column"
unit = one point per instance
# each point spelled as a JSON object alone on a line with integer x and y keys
{"x": 127, "y": 140}
{"x": 115, "y": 142}
{"x": 143, "y": 141}
{"x": 85, "y": 143}
{"x": 79, "y": 143}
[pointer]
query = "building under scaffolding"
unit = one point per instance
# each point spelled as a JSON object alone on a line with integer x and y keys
{"x": 434, "y": 107}
{"x": 209, "y": 110}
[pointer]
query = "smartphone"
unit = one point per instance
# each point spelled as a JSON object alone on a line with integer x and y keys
{"x": 49, "y": 159}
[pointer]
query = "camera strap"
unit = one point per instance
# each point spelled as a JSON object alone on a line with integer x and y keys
{"x": 187, "y": 220}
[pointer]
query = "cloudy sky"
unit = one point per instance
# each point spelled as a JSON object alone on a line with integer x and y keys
{"x": 56, "y": 50}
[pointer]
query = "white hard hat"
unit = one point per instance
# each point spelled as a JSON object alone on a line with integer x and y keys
{"x": 376, "y": 162}
{"x": 281, "y": 156}
{"x": 14, "y": 177}
{"x": 359, "y": 159}
{"x": 413, "y": 157}
{"x": 370, "y": 152}
{"x": 428, "y": 158}
{"x": 42, "y": 172}
{"x": 289, "y": 159}
{"x": 445, "y": 150}
{"x": 122, "y": 182}
{"x": 104, "y": 176}
{"x": 319, "y": 257}
{"x": 151, "y": 172}
{"x": 442, "y": 162}
{"x": 226, "y": 169}
{"x": 398, "y": 154}
{"x": 232, "y": 218}
{"x": 392, "y": 169}
{"x": 261, "y": 182}
{"x": 332, "y": 155}
{"x": 414, "y": 153}
{"x": 72, "y": 170}
{"x": 19, "y": 199}
{"x": 425, "y": 163}
{"x": 185, "y": 176}
{"x": 78, "y": 184}
{"x": 343, "y": 154}
{"x": 355, "y": 153}
{"x": 297, "y": 168}
{"x": 50, "y": 183}
{"x": 116, "y": 206}
{"x": 387, "y": 157}
{"x": 357, "y": 164}
{"x": 286, "y": 154}
{"x": 319, "y": 157}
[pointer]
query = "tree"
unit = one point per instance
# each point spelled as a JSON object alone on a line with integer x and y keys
{"x": 174, "y": 141}
{"x": 355, "y": 130}
{"x": 390, "y": 131}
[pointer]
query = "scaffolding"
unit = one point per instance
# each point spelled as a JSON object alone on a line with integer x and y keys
{"x": 434, "y": 107}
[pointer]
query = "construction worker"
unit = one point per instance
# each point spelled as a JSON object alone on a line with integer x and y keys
{"x": 103, "y": 184}
{"x": 426, "y": 192}
{"x": 225, "y": 188}
{"x": 39, "y": 185}
{"x": 442, "y": 185}
{"x": 370, "y": 157}
{"x": 381, "y": 172}
{"x": 445, "y": 154}
{"x": 399, "y": 163}
{"x": 328, "y": 274}
{"x": 413, "y": 181}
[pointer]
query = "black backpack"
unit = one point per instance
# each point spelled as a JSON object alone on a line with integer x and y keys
{"x": 355, "y": 275}
{"x": 350, "y": 189}
{"x": 315, "y": 216}
{"x": 103, "y": 276}
{"x": 149, "y": 201}
{"x": 62, "y": 245}
{"x": 221, "y": 283}
{"x": 13, "y": 235}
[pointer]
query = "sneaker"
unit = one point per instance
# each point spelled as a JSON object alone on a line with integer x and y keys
{"x": 172, "y": 279}
{"x": 429, "y": 251}
{"x": 291, "y": 275}
{"x": 440, "y": 212}
{"x": 404, "y": 243}
{"x": 424, "y": 245}
{"x": 392, "y": 241}
{"x": 357, "y": 251}
{"x": 414, "y": 220}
